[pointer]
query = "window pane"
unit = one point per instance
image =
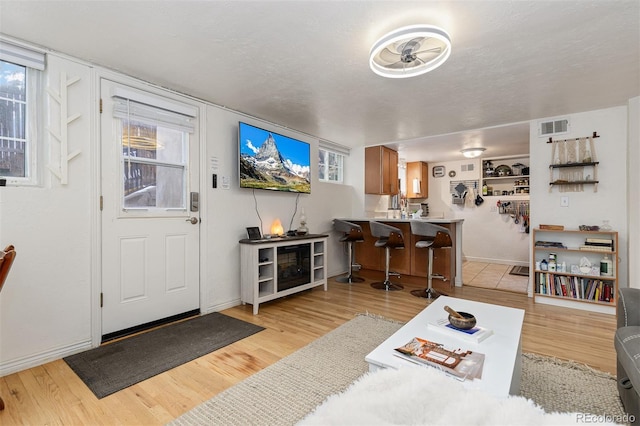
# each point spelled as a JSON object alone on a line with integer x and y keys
{"x": 154, "y": 166}
{"x": 152, "y": 185}
{"x": 330, "y": 165}
{"x": 13, "y": 119}
{"x": 335, "y": 167}
{"x": 321, "y": 164}
{"x": 13, "y": 80}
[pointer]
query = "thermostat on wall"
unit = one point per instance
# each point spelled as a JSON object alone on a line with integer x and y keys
{"x": 438, "y": 171}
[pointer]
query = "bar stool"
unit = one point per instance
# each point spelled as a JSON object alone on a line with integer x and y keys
{"x": 352, "y": 234}
{"x": 437, "y": 237}
{"x": 388, "y": 237}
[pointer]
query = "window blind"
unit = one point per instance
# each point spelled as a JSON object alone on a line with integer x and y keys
{"x": 332, "y": 146}
{"x": 131, "y": 110}
{"x": 20, "y": 55}
{"x": 133, "y": 104}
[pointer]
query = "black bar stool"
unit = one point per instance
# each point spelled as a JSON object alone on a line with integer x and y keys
{"x": 352, "y": 234}
{"x": 388, "y": 237}
{"x": 437, "y": 237}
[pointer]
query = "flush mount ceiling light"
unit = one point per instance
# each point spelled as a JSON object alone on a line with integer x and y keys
{"x": 410, "y": 51}
{"x": 472, "y": 152}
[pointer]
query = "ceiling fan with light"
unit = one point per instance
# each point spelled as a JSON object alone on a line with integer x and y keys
{"x": 410, "y": 51}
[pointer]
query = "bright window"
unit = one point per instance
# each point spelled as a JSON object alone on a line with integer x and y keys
{"x": 14, "y": 118}
{"x": 330, "y": 166}
{"x": 20, "y": 69}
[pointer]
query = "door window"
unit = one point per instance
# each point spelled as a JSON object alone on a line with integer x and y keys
{"x": 154, "y": 166}
{"x": 154, "y": 161}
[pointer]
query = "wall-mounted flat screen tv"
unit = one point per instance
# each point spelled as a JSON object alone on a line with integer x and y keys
{"x": 272, "y": 161}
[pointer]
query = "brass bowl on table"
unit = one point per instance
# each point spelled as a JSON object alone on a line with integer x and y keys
{"x": 466, "y": 323}
{"x": 461, "y": 320}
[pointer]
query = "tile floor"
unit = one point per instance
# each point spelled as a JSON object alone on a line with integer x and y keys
{"x": 493, "y": 275}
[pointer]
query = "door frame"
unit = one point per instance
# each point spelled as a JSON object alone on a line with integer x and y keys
{"x": 96, "y": 184}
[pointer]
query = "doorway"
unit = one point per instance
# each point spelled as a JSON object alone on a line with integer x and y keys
{"x": 150, "y": 213}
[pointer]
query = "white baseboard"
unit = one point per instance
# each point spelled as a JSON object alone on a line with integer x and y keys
{"x": 20, "y": 364}
{"x": 220, "y": 307}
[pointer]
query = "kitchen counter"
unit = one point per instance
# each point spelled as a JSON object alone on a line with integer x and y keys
{"x": 414, "y": 261}
{"x": 406, "y": 220}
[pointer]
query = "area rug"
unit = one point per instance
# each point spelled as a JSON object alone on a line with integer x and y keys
{"x": 520, "y": 270}
{"x": 285, "y": 392}
{"x": 415, "y": 395}
{"x": 118, "y": 365}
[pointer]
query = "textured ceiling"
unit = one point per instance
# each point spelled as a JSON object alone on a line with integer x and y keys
{"x": 304, "y": 64}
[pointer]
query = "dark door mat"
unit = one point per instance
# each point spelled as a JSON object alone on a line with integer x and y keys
{"x": 118, "y": 365}
{"x": 520, "y": 270}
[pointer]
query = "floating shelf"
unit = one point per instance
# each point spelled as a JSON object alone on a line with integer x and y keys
{"x": 559, "y": 166}
{"x": 575, "y": 182}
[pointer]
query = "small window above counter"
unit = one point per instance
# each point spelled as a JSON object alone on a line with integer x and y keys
{"x": 505, "y": 176}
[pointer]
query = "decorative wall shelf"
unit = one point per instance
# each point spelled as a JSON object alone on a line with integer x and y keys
{"x": 575, "y": 158}
{"x": 61, "y": 97}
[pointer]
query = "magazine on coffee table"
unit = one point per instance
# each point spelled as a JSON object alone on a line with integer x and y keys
{"x": 476, "y": 334}
{"x": 460, "y": 363}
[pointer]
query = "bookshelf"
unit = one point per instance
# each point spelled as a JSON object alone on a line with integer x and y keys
{"x": 576, "y": 285}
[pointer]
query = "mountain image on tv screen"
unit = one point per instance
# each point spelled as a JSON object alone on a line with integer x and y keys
{"x": 272, "y": 161}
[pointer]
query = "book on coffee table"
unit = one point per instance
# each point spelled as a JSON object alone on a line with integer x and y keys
{"x": 460, "y": 363}
{"x": 476, "y": 334}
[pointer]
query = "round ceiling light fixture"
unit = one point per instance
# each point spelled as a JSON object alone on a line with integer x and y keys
{"x": 472, "y": 152}
{"x": 410, "y": 51}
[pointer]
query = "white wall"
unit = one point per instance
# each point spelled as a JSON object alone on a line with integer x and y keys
{"x": 229, "y": 212}
{"x": 45, "y": 305}
{"x": 588, "y": 207}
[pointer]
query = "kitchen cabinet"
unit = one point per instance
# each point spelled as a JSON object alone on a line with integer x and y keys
{"x": 408, "y": 261}
{"x": 380, "y": 171}
{"x": 417, "y": 179}
{"x": 503, "y": 179}
{"x": 570, "y": 283}
{"x": 371, "y": 257}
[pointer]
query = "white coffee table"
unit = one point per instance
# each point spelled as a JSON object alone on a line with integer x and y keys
{"x": 502, "y": 364}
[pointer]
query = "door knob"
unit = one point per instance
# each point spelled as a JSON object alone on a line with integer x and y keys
{"x": 194, "y": 220}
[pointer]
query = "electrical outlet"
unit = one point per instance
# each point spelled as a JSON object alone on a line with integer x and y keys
{"x": 564, "y": 201}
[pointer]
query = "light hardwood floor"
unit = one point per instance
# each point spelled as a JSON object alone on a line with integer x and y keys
{"x": 52, "y": 394}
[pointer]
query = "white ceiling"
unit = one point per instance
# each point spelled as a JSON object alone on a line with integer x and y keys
{"x": 304, "y": 64}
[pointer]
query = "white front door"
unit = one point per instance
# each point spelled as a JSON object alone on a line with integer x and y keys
{"x": 150, "y": 222}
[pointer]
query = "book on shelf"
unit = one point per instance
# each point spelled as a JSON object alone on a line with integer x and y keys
{"x": 594, "y": 289}
{"x": 552, "y": 227}
{"x": 476, "y": 334}
{"x": 460, "y": 363}
{"x": 597, "y": 248}
{"x": 552, "y": 244}
{"x": 599, "y": 240}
